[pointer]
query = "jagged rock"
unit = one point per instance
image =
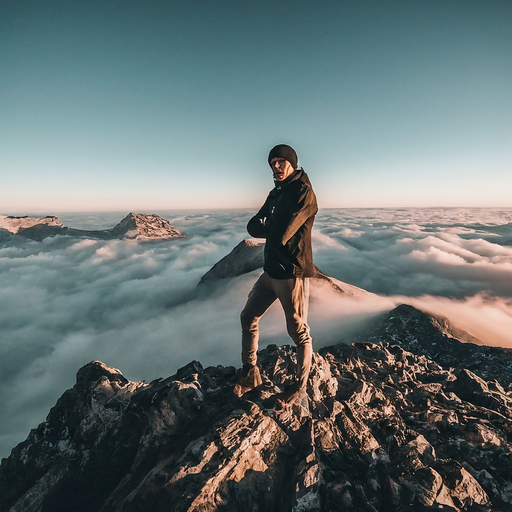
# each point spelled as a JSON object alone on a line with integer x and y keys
{"x": 383, "y": 429}
{"x": 135, "y": 226}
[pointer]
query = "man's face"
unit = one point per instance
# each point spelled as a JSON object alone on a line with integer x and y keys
{"x": 281, "y": 168}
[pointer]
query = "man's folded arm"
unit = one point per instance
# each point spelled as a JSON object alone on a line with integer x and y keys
{"x": 256, "y": 226}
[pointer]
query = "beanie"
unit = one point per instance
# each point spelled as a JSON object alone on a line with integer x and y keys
{"x": 283, "y": 151}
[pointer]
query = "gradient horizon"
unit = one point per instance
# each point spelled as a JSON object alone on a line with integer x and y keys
{"x": 172, "y": 105}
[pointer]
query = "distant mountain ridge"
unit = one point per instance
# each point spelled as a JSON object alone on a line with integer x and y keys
{"x": 384, "y": 428}
{"x": 135, "y": 226}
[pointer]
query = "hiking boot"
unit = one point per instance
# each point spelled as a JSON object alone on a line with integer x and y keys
{"x": 248, "y": 379}
{"x": 293, "y": 394}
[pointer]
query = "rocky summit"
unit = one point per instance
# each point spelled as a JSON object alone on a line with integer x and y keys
{"x": 396, "y": 422}
{"x": 139, "y": 226}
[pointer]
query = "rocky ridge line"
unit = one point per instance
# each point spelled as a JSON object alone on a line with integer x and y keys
{"x": 384, "y": 428}
{"x": 135, "y": 226}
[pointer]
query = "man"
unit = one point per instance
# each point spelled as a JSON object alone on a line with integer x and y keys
{"x": 285, "y": 221}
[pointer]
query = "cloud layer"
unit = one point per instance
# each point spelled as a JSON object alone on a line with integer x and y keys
{"x": 135, "y": 306}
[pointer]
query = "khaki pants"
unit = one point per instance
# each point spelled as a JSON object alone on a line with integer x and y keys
{"x": 294, "y": 297}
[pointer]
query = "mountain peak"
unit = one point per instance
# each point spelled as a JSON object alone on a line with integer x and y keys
{"x": 140, "y": 226}
{"x": 382, "y": 428}
{"x": 245, "y": 257}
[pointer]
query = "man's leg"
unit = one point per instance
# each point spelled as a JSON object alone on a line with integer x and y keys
{"x": 294, "y": 297}
{"x": 260, "y": 299}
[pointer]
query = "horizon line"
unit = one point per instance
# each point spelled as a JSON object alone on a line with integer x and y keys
{"x": 138, "y": 210}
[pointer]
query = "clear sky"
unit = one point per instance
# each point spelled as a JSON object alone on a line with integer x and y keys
{"x": 147, "y": 105}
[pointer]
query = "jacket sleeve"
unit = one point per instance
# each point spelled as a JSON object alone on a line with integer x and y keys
{"x": 304, "y": 208}
{"x": 256, "y": 226}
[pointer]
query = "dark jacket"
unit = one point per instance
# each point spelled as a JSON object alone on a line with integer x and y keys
{"x": 285, "y": 220}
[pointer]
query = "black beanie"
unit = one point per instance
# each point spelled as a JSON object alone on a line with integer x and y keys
{"x": 283, "y": 151}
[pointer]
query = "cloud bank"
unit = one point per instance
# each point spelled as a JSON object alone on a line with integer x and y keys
{"x": 135, "y": 306}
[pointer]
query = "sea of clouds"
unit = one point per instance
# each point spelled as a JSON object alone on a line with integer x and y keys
{"x": 136, "y": 306}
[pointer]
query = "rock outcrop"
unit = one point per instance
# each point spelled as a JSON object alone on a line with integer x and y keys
{"x": 244, "y": 258}
{"x": 248, "y": 256}
{"x": 383, "y": 428}
{"x": 135, "y": 226}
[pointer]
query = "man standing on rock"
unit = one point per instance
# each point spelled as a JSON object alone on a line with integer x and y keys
{"x": 285, "y": 221}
